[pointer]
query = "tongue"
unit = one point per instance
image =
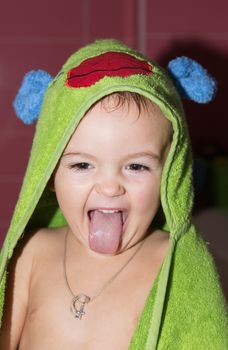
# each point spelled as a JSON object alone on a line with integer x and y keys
{"x": 105, "y": 231}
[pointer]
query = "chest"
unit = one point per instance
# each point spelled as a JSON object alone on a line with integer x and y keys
{"x": 108, "y": 321}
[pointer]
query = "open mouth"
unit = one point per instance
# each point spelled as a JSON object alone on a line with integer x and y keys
{"x": 124, "y": 214}
{"x": 106, "y": 227}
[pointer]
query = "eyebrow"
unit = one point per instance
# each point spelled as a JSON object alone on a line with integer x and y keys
{"x": 147, "y": 154}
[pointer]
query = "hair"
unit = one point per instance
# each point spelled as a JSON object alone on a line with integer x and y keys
{"x": 120, "y": 98}
{"x": 125, "y": 98}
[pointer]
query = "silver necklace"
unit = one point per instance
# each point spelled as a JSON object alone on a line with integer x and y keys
{"x": 79, "y": 301}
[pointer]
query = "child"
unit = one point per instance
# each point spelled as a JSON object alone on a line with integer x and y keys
{"x": 109, "y": 257}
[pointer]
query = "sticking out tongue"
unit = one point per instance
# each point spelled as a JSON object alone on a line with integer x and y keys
{"x": 105, "y": 231}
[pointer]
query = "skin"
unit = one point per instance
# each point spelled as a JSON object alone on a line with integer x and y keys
{"x": 110, "y": 175}
{"x": 37, "y": 304}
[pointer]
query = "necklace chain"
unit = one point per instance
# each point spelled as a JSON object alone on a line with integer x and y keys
{"x": 82, "y": 298}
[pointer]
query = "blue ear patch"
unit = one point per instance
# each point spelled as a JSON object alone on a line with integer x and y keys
{"x": 192, "y": 80}
{"x": 28, "y": 101}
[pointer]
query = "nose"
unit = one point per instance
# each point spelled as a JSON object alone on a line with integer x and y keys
{"x": 109, "y": 186}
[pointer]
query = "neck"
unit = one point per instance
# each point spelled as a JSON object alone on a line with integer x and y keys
{"x": 84, "y": 252}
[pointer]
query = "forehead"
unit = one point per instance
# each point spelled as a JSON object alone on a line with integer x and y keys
{"x": 111, "y": 120}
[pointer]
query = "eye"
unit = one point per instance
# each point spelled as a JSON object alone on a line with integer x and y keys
{"x": 80, "y": 166}
{"x": 138, "y": 167}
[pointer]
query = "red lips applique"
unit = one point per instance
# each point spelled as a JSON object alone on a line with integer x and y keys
{"x": 111, "y": 64}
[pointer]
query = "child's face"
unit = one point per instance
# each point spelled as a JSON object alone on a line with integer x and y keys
{"x": 105, "y": 165}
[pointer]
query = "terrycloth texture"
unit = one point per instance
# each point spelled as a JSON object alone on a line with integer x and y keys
{"x": 30, "y": 96}
{"x": 192, "y": 80}
{"x": 188, "y": 294}
{"x": 194, "y": 316}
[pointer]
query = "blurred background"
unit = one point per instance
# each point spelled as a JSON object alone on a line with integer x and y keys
{"x": 43, "y": 34}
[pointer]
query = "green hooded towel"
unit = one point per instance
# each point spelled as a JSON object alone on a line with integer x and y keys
{"x": 185, "y": 308}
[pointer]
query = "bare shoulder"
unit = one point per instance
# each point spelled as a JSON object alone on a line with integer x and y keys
{"x": 46, "y": 245}
{"x": 20, "y": 270}
{"x": 44, "y": 239}
{"x": 37, "y": 242}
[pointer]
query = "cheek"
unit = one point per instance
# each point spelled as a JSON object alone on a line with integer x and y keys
{"x": 141, "y": 198}
{"x": 71, "y": 192}
{"x": 147, "y": 195}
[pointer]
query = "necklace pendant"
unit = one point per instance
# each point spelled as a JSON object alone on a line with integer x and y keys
{"x": 78, "y": 304}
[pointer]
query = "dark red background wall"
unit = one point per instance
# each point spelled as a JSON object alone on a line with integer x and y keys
{"x": 43, "y": 34}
